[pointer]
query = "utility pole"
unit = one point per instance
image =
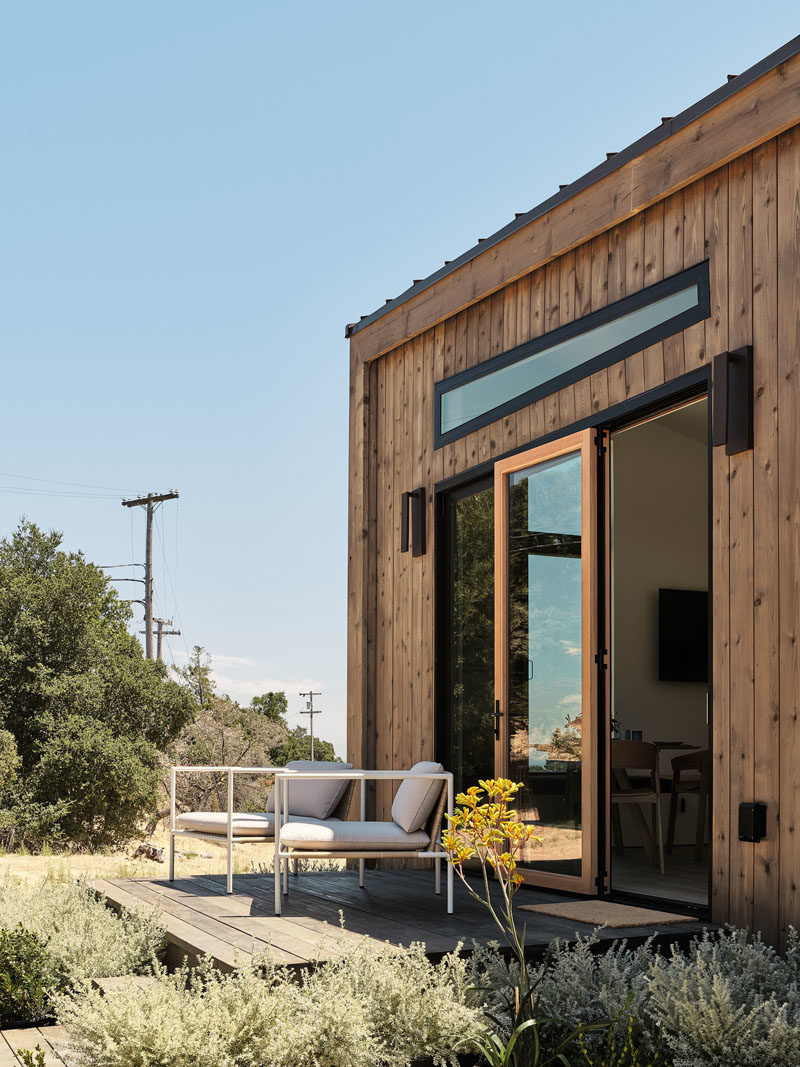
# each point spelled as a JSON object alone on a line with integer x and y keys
{"x": 161, "y": 623}
{"x": 311, "y": 711}
{"x": 149, "y": 502}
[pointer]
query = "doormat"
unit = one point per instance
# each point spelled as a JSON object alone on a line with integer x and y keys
{"x": 606, "y": 913}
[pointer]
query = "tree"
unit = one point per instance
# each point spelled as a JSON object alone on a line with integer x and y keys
{"x": 225, "y": 734}
{"x": 273, "y": 706}
{"x": 196, "y": 676}
{"x": 86, "y": 710}
{"x": 298, "y": 746}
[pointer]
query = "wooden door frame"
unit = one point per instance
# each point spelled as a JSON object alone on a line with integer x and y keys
{"x": 584, "y": 442}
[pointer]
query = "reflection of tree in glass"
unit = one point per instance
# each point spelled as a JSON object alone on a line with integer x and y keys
{"x": 565, "y": 744}
{"x": 472, "y": 554}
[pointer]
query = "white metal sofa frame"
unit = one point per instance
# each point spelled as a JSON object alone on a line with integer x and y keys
{"x": 282, "y": 857}
{"x": 230, "y": 838}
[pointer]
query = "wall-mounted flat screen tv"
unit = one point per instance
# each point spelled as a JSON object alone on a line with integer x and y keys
{"x": 682, "y": 635}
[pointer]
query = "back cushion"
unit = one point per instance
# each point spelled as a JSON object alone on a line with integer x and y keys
{"x": 415, "y": 798}
{"x": 315, "y": 798}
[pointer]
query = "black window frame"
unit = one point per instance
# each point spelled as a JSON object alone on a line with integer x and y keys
{"x": 696, "y": 275}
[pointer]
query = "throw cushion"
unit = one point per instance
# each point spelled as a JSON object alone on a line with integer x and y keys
{"x": 415, "y": 798}
{"x": 245, "y": 824}
{"x": 314, "y": 797}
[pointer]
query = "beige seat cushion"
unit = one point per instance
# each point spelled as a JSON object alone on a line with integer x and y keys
{"x": 415, "y": 799}
{"x": 314, "y": 797}
{"x": 245, "y": 824}
{"x": 335, "y": 835}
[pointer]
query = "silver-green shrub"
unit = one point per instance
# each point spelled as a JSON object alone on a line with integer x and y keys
{"x": 575, "y": 985}
{"x": 368, "y": 1008}
{"x": 91, "y": 940}
{"x": 730, "y": 999}
{"x": 582, "y": 986}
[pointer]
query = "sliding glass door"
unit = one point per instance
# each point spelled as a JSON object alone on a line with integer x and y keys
{"x": 545, "y": 517}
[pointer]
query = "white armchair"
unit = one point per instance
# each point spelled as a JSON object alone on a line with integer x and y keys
{"x": 425, "y": 793}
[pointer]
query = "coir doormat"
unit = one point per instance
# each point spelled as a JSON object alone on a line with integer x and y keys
{"x": 606, "y": 913}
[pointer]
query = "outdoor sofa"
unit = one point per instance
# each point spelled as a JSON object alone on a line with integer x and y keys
{"x": 328, "y": 795}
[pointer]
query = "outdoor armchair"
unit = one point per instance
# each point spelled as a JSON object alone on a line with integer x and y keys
{"x": 327, "y": 796}
{"x": 424, "y": 795}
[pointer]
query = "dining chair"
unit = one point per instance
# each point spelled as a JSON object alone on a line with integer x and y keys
{"x": 640, "y": 757}
{"x": 691, "y": 773}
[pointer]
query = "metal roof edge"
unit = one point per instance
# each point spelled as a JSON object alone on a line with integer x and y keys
{"x": 620, "y": 159}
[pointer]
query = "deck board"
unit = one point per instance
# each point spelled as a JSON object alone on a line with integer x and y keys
{"x": 394, "y": 907}
{"x": 48, "y": 1039}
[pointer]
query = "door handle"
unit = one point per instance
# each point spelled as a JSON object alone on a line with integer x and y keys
{"x": 497, "y": 717}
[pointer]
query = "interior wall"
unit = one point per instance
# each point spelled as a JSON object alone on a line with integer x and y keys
{"x": 659, "y": 540}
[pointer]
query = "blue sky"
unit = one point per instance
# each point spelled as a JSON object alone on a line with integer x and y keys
{"x": 198, "y": 196}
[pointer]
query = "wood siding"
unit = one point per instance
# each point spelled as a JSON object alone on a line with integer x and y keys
{"x": 744, "y": 218}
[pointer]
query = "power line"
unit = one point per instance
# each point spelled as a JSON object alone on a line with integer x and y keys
{"x": 174, "y": 596}
{"x": 23, "y": 491}
{"x": 56, "y": 481}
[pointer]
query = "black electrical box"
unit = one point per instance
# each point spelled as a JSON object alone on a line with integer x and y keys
{"x": 752, "y": 822}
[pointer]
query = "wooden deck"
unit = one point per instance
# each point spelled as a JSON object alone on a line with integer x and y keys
{"x": 395, "y": 906}
{"x": 50, "y": 1039}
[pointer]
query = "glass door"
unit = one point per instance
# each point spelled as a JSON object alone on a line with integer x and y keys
{"x": 468, "y": 658}
{"x": 545, "y": 646}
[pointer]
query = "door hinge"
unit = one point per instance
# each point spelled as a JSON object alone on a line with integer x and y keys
{"x": 601, "y": 881}
{"x": 601, "y": 659}
{"x": 600, "y": 443}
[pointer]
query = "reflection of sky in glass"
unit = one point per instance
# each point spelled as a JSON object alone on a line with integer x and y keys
{"x": 554, "y": 601}
{"x": 554, "y": 636}
{"x": 474, "y": 398}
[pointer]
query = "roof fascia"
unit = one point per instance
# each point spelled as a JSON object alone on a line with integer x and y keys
{"x": 754, "y": 107}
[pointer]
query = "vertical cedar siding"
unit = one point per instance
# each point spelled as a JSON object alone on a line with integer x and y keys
{"x": 788, "y": 206}
{"x": 744, "y": 218}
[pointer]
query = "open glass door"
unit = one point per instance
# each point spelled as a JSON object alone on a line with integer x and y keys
{"x": 545, "y": 646}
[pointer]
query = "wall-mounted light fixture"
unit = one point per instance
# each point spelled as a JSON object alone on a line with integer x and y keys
{"x": 732, "y": 393}
{"x": 413, "y": 507}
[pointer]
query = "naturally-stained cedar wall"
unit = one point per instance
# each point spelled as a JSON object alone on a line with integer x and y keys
{"x": 744, "y": 218}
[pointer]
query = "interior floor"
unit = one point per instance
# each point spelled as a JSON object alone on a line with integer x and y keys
{"x": 685, "y": 878}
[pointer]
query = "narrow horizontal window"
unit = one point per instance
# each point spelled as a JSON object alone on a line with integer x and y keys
{"x": 516, "y": 378}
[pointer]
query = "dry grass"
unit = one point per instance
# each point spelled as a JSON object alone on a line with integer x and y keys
{"x": 557, "y": 843}
{"x": 194, "y": 857}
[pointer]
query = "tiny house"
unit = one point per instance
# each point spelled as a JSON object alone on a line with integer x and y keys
{"x": 574, "y": 519}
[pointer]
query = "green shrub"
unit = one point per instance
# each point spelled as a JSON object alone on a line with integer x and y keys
{"x": 366, "y": 1009}
{"x": 30, "y": 1058}
{"x": 616, "y": 1051}
{"x": 86, "y": 711}
{"x": 30, "y": 975}
{"x": 91, "y": 940}
{"x": 102, "y": 781}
